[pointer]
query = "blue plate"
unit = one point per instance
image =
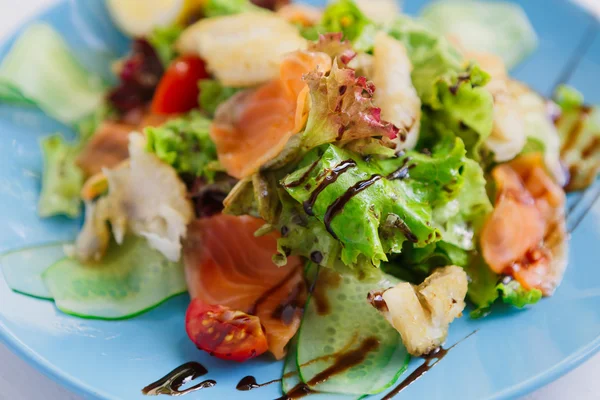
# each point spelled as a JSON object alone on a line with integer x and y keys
{"x": 513, "y": 352}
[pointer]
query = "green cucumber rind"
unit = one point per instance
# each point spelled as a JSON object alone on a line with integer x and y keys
{"x": 125, "y": 317}
{"x": 376, "y": 388}
{"x": 289, "y": 379}
{"x": 131, "y": 280}
{"x": 23, "y": 275}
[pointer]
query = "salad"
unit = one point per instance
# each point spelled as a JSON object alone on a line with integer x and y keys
{"x": 326, "y": 184}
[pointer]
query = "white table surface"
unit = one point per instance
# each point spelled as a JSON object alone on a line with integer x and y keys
{"x": 20, "y": 381}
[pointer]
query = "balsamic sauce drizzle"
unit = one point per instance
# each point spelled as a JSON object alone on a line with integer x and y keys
{"x": 338, "y": 205}
{"x": 304, "y": 176}
{"x": 170, "y": 383}
{"x": 431, "y": 360}
{"x": 329, "y": 179}
{"x": 269, "y": 292}
{"x": 344, "y": 361}
{"x": 249, "y": 382}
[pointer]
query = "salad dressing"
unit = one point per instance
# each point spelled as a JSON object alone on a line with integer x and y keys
{"x": 338, "y": 205}
{"x": 249, "y": 382}
{"x": 431, "y": 360}
{"x": 304, "y": 176}
{"x": 329, "y": 179}
{"x": 269, "y": 292}
{"x": 376, "y": 299}
{"x": 343, "y": 362}
{"x": 170, "y": 383}
{"x": 327, "y": 279}
{"x": 287, "y": 309}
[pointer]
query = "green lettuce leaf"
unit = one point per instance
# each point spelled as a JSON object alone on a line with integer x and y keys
{"x": 516, "y": 295}
{"x": 452, "y": 93}
{"x": 216, "y": 8}
{"x": 345, "y": 16}
{"x": 213, "y": 93}
{"x": 394, "y": 198}
{"x": 485, "y": 288}
{"x": 303, "y": 235}
{"x": 461, "y": 107}
{"x": 185, "y": 144}
{"x": 431, "y": 55}
{"x": 415, "y": 264}
{"x": 461, "y": 219}
{"x": 483, "y": 283}
{"x": 62, "y": 179}
{"x": 163, "y": 40}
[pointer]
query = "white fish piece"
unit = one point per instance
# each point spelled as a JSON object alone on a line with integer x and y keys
{"x": 242, "y": 50}
{"x": 146, "y": 198}
{"x": 395, "y": 93}
{"x": 422, "y": 314}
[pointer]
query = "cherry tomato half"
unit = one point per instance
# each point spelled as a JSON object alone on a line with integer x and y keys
{"x": 177, "y": 91}
{"x": 225, "y": 333}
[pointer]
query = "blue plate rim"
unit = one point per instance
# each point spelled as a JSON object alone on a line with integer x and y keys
{"x": 83, "y": 389}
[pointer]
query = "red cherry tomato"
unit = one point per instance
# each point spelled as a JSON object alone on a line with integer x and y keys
{"x": 177, "y": 91}
{"x": 225, "y": 333}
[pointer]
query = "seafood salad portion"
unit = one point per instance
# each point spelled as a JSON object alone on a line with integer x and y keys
{"x": 327, "y": 184}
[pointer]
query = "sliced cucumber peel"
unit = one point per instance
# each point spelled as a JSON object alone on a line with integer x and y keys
{"x": 342, "y": 326}
{"x": 131, "y": 279}
{"x": 291, "y": 377}
{"x": 23, "y": 268}
{"x": 41, "y": 69}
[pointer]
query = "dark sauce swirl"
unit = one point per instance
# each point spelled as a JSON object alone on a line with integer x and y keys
{"x": 174, "y": 380}
{"x": 329, "y": 179}
{"x": 338, "y": 205}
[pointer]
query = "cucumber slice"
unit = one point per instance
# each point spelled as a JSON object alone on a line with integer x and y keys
{"x": 40, "y": 68}
{"x": 351, "y": 322}
{"x": 9, "y": 94}
{"x": 500, "y": 28}
{"x": 131, "y": 279}
{"x": 291, "y": 377}
{"x": 23, "y": 268}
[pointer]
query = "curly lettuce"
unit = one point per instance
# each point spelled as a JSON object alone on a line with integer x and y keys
{"x": 185, "y": 144}
{"x": 431, "y": 55}
{"x": 516, "y": 295}
{"x": 461, "y": 107}
{"x": 62, "y": 179}
{"x": 346, "y": 17}
{"x": 342, "y": 109}
{"x": 394, "y": 198}
{"x": 461, "y": 219}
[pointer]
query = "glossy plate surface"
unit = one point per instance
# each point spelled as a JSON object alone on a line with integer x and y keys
{"x": 514, "y": 351}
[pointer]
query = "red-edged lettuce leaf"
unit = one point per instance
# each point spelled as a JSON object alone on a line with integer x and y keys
{"x": 342, "y": 109}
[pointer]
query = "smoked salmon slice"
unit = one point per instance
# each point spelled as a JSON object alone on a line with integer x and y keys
{"x": 226, "y": 265}
{"x": 108, "y": 147}
{"x": 525, "y": 236}
{"x": 254, "y": 126}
